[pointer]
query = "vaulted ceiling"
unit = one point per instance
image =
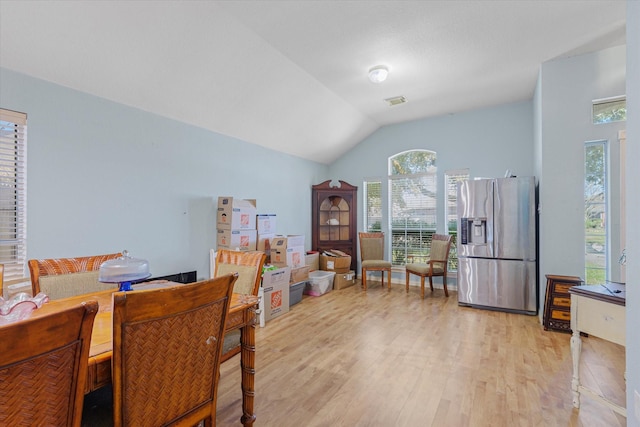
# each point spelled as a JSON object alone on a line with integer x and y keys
{"x": 292, "y": 75}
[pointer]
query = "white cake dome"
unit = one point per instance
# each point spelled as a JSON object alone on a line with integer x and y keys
{"x": 124, "y": 269}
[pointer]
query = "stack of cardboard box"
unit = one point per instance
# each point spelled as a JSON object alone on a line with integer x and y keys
{"x": 340, "y": 263}
{"x": 288, "y": 251}
{"x": 236, "y": 224}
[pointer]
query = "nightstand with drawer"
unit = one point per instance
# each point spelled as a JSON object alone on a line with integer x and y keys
{"x": 557, "y": 306}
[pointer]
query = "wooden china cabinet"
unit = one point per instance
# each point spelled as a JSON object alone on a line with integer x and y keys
{"x": 333, "y": 218}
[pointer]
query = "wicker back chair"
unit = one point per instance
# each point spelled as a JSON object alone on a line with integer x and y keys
{"x": 167, "y": 345}
{"x": 248, "y": 265}
{"x": 435, "y": 265}
{"x": 372, "y": 256}
{"x": 43, "y": 367}
{"x": 66, "y": 277}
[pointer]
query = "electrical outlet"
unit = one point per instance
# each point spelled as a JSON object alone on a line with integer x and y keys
{"x": 636, "y": 403}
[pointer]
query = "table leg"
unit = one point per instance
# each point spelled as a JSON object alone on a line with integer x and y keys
{"x": 247, "y": 364}
{"x": 576, "y": 349}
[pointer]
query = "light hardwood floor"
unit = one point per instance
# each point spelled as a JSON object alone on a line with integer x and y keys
{"x": 379, "y": 358}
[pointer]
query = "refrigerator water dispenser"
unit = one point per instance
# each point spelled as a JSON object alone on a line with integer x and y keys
{"x": 474, "y": 231}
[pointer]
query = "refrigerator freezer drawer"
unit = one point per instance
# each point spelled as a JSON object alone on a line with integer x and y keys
{"x": 500, "y": 284}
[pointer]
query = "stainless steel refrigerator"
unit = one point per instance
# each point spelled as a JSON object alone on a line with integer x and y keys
{"x": 497, "y": 244}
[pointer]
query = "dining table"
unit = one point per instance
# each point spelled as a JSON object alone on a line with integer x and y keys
{"x": 241, "y": 316}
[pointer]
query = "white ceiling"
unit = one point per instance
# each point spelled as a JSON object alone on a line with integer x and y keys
{"x": 292, "y": 75}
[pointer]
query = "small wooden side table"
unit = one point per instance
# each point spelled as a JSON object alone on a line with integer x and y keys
{"x": 557, "y": 306}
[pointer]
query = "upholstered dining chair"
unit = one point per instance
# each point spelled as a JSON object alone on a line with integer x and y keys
{"x": 66, "y": 277}
{"x": 372, "y": 256}
{"x": 43, "y": 367}
{"x": 434, "y": 265}
{"x": 167, "y": 345}
{"x": 248, "y": 265}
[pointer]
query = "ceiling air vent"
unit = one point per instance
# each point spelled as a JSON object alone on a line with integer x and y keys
{"x": 396, "y": 100}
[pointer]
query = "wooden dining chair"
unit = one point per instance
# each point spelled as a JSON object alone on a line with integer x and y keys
{"x": 435, "y": 265}
{"x": 66, "y": 277}
{"x": 43, "y": 367}
{"x": 167, "y": 345}
{"x": 248, "y": 265}
{"x": 372, "y": 256}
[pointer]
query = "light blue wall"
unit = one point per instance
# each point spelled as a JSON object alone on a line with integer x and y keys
{"x": 633, "y": 213}
{"x": 103, "y": 177}
{"x": 566, "y": 90}
{"x": 486, "y": 141}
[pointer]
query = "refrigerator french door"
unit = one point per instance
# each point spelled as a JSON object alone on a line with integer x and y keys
{"x": 497, "y": 244}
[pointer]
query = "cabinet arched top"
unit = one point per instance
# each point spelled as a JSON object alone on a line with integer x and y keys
{"x": 326, "y": 185}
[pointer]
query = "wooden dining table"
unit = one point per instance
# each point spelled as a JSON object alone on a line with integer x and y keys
{"x": 242, "y": 316}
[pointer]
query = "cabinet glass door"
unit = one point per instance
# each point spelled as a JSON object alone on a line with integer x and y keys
{"x": 334, "y": 219}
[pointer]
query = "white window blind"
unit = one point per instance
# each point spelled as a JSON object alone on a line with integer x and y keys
{"x": 13, "y": 193}
{"x": 413, "y": 208}
{"x": 452, "y": 179}
{"x": 373, "y": 205}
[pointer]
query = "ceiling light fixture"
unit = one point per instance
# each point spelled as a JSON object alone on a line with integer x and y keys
{"x": 378, "y": 74}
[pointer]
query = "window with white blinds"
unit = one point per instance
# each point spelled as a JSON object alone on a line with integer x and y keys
{"x": 373, "y": 205}
{"x": 452, "y": 178}
{"x": 413, "y": 205}
{"x": 13, "y": 193}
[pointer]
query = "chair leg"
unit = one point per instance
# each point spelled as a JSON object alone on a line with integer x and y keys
{"x": 364, "y": 279}
{"x": 406, "y": 272}
{"x": 388, "y": 279}
{"x": 422, "y": 286}
{"x": 431, "y": 283}
{"x": 382, "y": 277}
{"x": 444, "y": 283}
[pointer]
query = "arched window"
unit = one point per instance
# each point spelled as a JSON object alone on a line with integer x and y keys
{"x": 412, "y": 204}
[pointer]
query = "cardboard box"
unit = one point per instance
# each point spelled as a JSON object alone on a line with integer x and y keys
{"x": 288, "y": 241}
{"x": 313, "y": 260}
{"x": 278, "y": 252}
{"x": 300, "y": 274}
{"x": 295, "y": 256}
{"x": 266, "y": 223}
{"x": 344, "y": 280}
{"x": 320, "y": 282}
{"x": 275, "y": 285}
{"x": 236, "y": 214}
{"x": 340, "y": 264}
{"x": 264, "y": 242}
{"x": 240, "y": 240}
{"x": 284, "y": 253}
{"x": 290, "y": 257}
{"x": 295, "y": 240}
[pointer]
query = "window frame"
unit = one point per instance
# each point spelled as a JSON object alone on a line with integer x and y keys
{"x": 609, "y": 110}
{"x": 369, "y": 219}
{"x": 591, "y": 277}
{"x": 13, "y": 193}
